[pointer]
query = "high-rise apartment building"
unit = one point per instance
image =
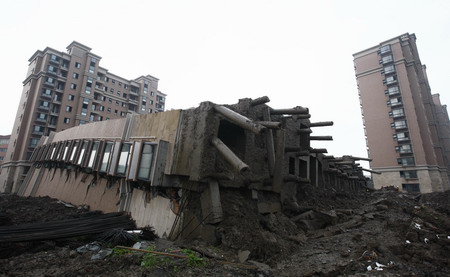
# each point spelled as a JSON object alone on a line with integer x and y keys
{"x": 66, "y": 89}
{"x": 4, "y": 141}
{"x": 406, "y": 127}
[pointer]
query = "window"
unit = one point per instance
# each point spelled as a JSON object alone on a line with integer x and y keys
{"x": 66, "y": 150}
{"x": 113, "y": 81}
{"x": 73, "y": 86}
{"x": 387, "y": 59}
{"x": 389, "y": 69}
{"x": 102, "y": 108}
{"x": 145, "y": 164}
{"x": 406, "y": 161}
{"x": 111, "y": 90}
{"x": 397, "y": 113}
{"x": 82, "y": 152}
{"x": 42, "y": 117}
{"x": 51, "y": 69}
{"x": 39, "y": 130}
{"x": 405, "y": 148}
{"x": 92, "y": 65}
{"x": 50, "y": 81}
{"x": 106, "y": 156}
{"x": 77, "y": 65}
{"x": 411, "y": 187}
{"x": 395, "y": 101}
{"x": 392, "y": 91}
{"x": 385, "y": 49}
{"x": 390, "y": 80}
{"x": 84, "y": 107}
{"x": 88, "y": 85}
{"x": 109, "y": 110}
{"x": 93, "y": 154}
{"x": 71, "y": 97}
{"x": 401, "y": 136}
{"x": 68, "y": 109}
{"x": 66, "y": 120}
{"x": 47, "y": 91}
{"x": 124, "y": 158}
{"x": 409, "y": 174}
{"x": 45, "y": 104}
{"x": 400, "y": 124}
{"x": 33, "y": 143}
{"x": 54, "y": 58}
{"x": 74, "y": 151}
{"x": 75, "y": 75}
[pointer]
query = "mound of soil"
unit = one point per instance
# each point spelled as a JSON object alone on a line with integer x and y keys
{"x": 363, "y": 233}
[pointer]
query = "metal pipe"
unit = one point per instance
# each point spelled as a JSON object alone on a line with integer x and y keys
{"x": 321, "y": 124}
{"x": 318, "y": 150}
{"x": 270, "y": 124}
{"x": 239, "y": 119}
{"x": 358, "y": 158}
{"x": 371, "y": 171}
{"x": 302, "y": 116}
{"x": 229, "y": 156}
{"x": 304, "y": 131}
{"x": 296, "y": 110}
{"x": 321, "y": 138}
{"x": 259, "y": 101}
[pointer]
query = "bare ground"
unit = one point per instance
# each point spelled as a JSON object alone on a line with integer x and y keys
{"x": 367, "y": 233}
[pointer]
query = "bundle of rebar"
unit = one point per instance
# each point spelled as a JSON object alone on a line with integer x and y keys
{"x": 87, "y": 225}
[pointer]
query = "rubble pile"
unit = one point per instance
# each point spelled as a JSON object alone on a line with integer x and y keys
{"x": 332, "y": 233}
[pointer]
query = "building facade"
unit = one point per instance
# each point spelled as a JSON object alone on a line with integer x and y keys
{"x": 4, "y": 141}
{"x": 67, "y": 89}
{"x": 406, "y": 127}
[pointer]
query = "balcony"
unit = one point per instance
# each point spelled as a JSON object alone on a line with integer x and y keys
{"x": 385, "y": 49}
{"x": 46, "y": 96}
{"x": 44, "y": 108}
{"x": 41, "y": 120}
{"x": 54, "y": 61}
{"x": 57, "y": 100}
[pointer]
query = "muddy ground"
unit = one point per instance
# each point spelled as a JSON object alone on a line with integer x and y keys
{"x": 367, "y": 233}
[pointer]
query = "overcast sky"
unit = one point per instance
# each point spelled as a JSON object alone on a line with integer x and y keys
{"x": 299, "y": 53}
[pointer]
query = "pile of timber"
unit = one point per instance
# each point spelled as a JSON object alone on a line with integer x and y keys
{"x": 86, "y": 225}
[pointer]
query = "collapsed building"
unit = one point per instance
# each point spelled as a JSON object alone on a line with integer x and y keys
{"x": 168, "y": 169}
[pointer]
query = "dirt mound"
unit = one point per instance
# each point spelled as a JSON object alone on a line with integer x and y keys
{"x": 364, "y": 233}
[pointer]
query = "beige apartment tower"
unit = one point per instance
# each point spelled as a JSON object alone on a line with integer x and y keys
{"x": 66, "y": 89}
{"x": 407, "y": 128}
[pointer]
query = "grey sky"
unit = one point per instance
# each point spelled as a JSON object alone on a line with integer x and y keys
{"x": 295, "y": 52}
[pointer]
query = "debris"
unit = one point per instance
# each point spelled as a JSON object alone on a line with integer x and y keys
{"x": 102, "y": 254}
{"x": 243, "y": 256}
{"x": 68, "y": 205}
{"x": 92, "y": 247}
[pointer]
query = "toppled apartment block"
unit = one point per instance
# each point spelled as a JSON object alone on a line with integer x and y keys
{"x": 168, "y": 169}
